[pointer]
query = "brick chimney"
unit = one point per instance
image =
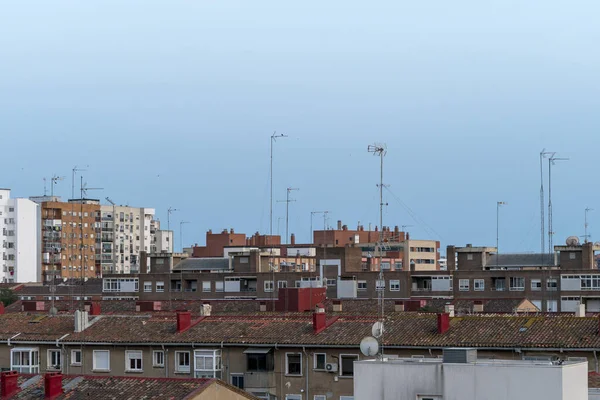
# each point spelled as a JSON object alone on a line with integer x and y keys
{"x": 451, "y": 257}
{"x": 9, "y": 384}
{"x": 184, "y": 320}
{"x": 443, "y": 323}
{"x": 95, "y": 308}
{"x": 319, "y": 318}
{"x": 52, "y": 385}
{"x": 399, "y": 306}
{"x": 337, "y": 305}
{"x": 293, "y": 239}
{"x": 1, "y": 308}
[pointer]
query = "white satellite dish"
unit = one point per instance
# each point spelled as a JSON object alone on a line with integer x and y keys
{"x": 572, "y": 241}
{"x": 377, "y": 329}
{"x": 369, "y": 346}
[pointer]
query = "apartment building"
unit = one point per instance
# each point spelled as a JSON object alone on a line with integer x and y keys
{"x": 125, "y": 233}
{"x": 69, "y": 233}
{"x": 162, "y": 242}
{"x": 292, "y": 354}
{"x": 20, "y": 229}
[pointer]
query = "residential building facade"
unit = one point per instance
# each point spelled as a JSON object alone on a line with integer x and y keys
{"x": 20, "y": 255}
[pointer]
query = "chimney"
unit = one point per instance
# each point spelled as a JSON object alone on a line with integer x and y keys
{"x": 451, "y": 258}
{"x": 339, "y": 225}
{"x": 399, "y": 306}
{"x": 52, "y": 385}
{"x": 478, "y": 306}
{"x": 587, "y": 258}
{"x": 443, "y": 323}
{"x": 184, "y": 320}
{"x": 95, "y": 308}
{"x": 449, "y": 309}
{"x": 1, "y": 308}
{"x": 319, "y": 318}
{"x": 263, "y": 306}
{"x": 81, "y": 321}
{"x": 344, "y": 227}
{"x": 580, "y": 312}
{"x": 9, "y": 384}
{"x": 231, "y": 231}
{"x": 337, "y": 306}
{"x": 293, "y": 239}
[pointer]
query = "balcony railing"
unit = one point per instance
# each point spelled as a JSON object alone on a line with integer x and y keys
{"x": 259, "y": 380}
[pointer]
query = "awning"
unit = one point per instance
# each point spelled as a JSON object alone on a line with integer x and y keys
{"x": 257, "y": 350}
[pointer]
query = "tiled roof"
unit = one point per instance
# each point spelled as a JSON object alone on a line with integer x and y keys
{"x": 593, "y": 380}
{"x": 121, "y": 388}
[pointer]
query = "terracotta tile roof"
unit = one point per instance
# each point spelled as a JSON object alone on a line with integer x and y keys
{"x": 593, "y": 380}
{"x": 121, "y": 388}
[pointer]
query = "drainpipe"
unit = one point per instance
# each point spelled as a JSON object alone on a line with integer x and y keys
{"x": 166, "y": 360}
{"x": 307, "y": 369}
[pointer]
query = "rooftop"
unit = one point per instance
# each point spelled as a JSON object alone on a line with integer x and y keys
{"x": 481, "y": 362}
{"x": 520, "y": 260}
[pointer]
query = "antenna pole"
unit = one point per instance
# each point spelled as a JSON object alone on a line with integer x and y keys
{"x": 312, "y": 213}
{"x": 498, "y": 204}
{"x": 551, "y": 161}
{"x": 586, "y": 236}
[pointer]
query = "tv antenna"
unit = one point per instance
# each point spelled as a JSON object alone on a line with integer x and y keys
{"x": 74, "y": 172}
{"x": 380, "y": 150}
{"x": 551, "y": 161}
{"x": 53, "y": 181}
{"x": 586, "y": 236}
{"x": 287, "y": 202}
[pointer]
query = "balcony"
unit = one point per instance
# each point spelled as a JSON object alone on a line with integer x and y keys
{"x": 259, "y": 380}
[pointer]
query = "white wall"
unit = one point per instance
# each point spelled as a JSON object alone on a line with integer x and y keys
{"x": 510, "y": 380}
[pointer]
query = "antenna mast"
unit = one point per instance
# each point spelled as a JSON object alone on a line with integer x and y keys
{"x": 287, "y": 202}
{"x": 551, "y": 161}
{"x": 586, "y": 236}
{"x": 379, "y": 150}
{"x": 543, "y": 155}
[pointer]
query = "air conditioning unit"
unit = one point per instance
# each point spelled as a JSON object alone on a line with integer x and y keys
{"x": 331, "y": 367}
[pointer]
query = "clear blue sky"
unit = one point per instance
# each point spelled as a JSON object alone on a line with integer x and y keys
{"x": 171, "y": 103}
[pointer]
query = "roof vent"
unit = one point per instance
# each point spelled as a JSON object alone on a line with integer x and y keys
{"x": 460, "y": 356}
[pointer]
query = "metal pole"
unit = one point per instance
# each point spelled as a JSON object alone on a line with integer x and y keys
{"x": 181, "y": 223}
{"x": 287, "y": 215}
{"x": 498, "y": 204}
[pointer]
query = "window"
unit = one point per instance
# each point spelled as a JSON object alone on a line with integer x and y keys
{"x": 394, "y": 285}
{"x": 463, "y": 285}
{"x": 320, "y": 397}
{"x": 133, "y": 361}
{"x": 552, "y": 285}
{"x": 362, "y": 285}
{"x": 295, "y": 396}
{"x": 379, "y": 285}
{"x": 259, "y": 361}
{"x": 182, "y": 361}
{"x": 281, "y": 284}
{"x": 160, "y": 287}
{"x": 572, "y": 256}
{"x": 479, "y": 285}
{"x": 517, "y": 283}
{"x": 207, "y": 364}
{"x": 470, "y": 257}
{"x": 76, "y": 357}
{"x": 54, "y": 360}
{"x": 331, "y": 282}
{"x": 147, "y": 286}
{"x": 268, "y": 286}
{"x": 206, "y": 286}
{"x": 536, "y": 284}
{"x": 219, "y": 286}
{"x": 25, "y": 361}
{"x": 158, "y": 358}
{"x": 385, "y": 265}
{"x": 101, "y": 360}
{"x": 237, "y": 380}
{"x": 320, "y": 360}
{"x": 347, "y": 364}
{"x": 293, "y": 364}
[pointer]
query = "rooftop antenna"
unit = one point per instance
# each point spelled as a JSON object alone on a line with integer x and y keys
{"x": 543, "y": 154}
{"x": 74, "y": 172}
{"x": 274, "y": 138}
{"x": 551, "y": 161}
{"x": 586, "y": 236}
{"x": 380, "y": 150}
{"x": 169, "y": 212}
{"x": 53, "y": 181}
{"x": 287, "y": 202}
{"x": 312, "y": 213}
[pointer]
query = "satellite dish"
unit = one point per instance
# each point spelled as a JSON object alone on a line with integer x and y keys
{"x": 597, "y": 244}
{"x": 572, "y": 241}
{"x": 369, "y": 346}
{"x": 377, "y": 329}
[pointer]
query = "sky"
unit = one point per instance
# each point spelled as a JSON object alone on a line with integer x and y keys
{"x": 172, "y": 104}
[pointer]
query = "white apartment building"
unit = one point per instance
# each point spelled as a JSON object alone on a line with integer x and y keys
{"x": 459, "y": 375}
{"x": 20, "y": 253}
{"x": 163, "y": 242}
{"x": 125, "y": 233}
